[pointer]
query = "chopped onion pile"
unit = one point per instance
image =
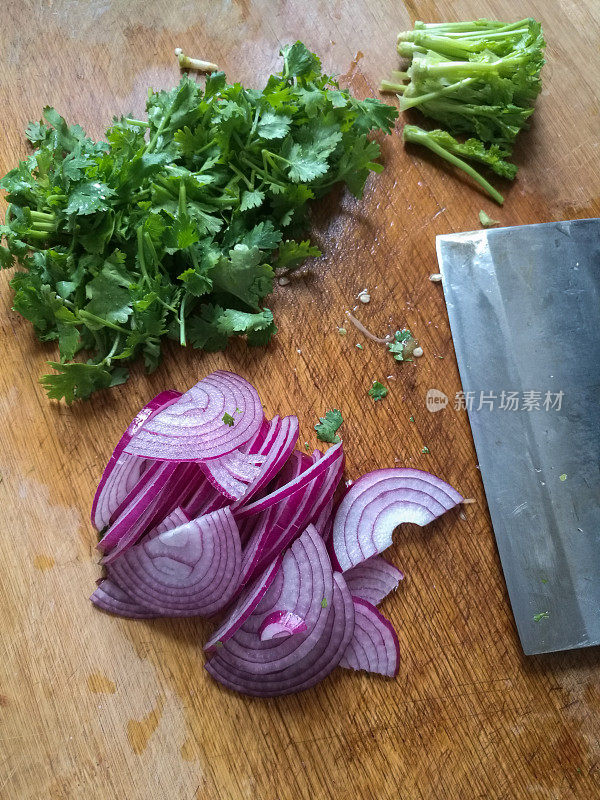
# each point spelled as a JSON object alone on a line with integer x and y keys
{"x": 206, "y": 508}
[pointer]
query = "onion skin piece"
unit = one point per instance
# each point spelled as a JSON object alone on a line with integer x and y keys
{"x": 244, "y": 606}
{"x": 380, "y": 501}
{"x": 192, "y": 570}
{"x": 374, "y": 646}
{"x": 307, "y": 671}
{"x": 373, "y": 579}
{"x": 279, "y": 624}
{"x": 194, "y": 427}
{"x": 120, "y": 464}
{"x": 110, "y": 597}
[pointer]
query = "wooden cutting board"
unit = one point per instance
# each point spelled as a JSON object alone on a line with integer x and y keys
{"x": 96, "y": 707}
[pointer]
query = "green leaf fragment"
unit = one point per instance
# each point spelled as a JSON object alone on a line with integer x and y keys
{"x": 377, "y": 391}
{"x": 328, "y": 425}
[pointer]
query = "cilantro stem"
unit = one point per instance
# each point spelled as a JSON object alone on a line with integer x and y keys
{"x": 139, "y": 122}
{"x": 182, "y": 208}
{"x": 240, "y": 175}
{"x": 83, "y": 314}
{"x": 416, "y": 135}
{"x": 141, "y": 254}
{"x": 411, "y": 102}
{"x": 56, "y": 198}
{"x": 182, "y": 340}
{"x": 253, "y": 128}
{"x": 42, "y": 216}
{"x": 107, "y": 358}
{"x": 152, "y": 143}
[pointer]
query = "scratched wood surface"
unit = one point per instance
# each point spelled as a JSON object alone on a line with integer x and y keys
{"x": 95, "y": 707}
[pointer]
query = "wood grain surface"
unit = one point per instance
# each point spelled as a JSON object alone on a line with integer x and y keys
{"x": 96, "y": 707}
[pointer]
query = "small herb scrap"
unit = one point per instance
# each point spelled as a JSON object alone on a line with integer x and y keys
{"x": 425, "y": 450}
{"x": 402, "y": 345}
{"x": 228, "y": 419}
{"x": 328, "y": 425}
{"x": 377, "y": 391}
{"x": 324, "y": 603}
{"x": 359, "y": 346}
{"x": 411, "y": 418}
{"x": 174, "y": 225}
{"x": 563, "y": 477}
{"x": 486, "y": 221}
{"x": 541, "y": 615}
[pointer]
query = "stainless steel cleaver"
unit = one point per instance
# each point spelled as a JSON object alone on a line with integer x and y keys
{"x": 524, "y": 308}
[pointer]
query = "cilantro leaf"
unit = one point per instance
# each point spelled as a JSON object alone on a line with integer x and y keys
{"x": 73, "y": 381}
{"x": 402, "y": 345}
{"x": 377, "y": 391}
{"x": 292, "y": 253}
{"x": 273, "y": 126}
{"x": 328, "y": 425}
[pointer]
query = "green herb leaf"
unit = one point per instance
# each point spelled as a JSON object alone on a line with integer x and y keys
{"x": 328, "y": 425}
{"x": 377, "y": 391}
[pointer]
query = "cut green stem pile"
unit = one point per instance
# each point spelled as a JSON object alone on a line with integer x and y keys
{"x": 174, "y": 225}
{"x": 478, "y": 78}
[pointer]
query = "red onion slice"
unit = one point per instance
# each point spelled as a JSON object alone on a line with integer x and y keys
{"x": 307, "y": 670}
{"x": 306, "y": 590}
{"x": 109, "y": 597}
{"x": 279, "y": 624}
{"x": 279, "y": 495}
{"x": 373, "y": 579}
{"x": 123, "y": 471}
{"x": 160, "y": 496}
{"x": 380, "y": 501}
{"x": 277, "y": 448}
{"x": 230, "y": 474}
{"x": 195, "y": 427}
{"x": 187, "y": 571}
{"x": 243, "y": 607}
{"x": 176, "y": 518}
{"x": 374, "y": 646}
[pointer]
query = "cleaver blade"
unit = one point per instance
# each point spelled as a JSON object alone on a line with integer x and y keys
{"x": 524, "y": 309}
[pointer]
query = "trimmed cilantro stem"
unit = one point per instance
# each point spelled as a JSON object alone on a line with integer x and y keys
{"x": 412, "y": 101}
{"x": 416, "y": 135}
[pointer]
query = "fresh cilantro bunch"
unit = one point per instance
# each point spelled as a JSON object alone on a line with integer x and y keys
{"x": 478, "y": 78}
{"x": 174, "y": 225}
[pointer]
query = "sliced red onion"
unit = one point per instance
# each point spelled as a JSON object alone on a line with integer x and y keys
{"x": 176, "y": 518}
{"x": 374, "y": 646}
{"x": 302, "y": 673}
{"x": 324, "y": 522}
{"x": 277, "y": 447}
{"x": 306, "y": 590}
{"x": 244, "y": 606}
{"x": 230, "y": 474}
{"x": 195, "y": 427}
{"x": 203, "y": 498}
{"x": 160, "y": 496}
{"x": 109, "y": 597}
{"x": 380, "y": 501}
{"x": 279, "y": 495}
{"x": 373, "y": 579}
{"x": 280, "y": 523}
{"x": 123, "y": 471}
{"x": 279, "y": 624}
{"x": 187, "y": 571}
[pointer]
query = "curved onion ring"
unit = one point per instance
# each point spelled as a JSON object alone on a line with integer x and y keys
{"x": 380, "y": 501}
{"x": 373, "y": 579}
{"x": 374, "y": 646}
{"x": 189, "y": 570}
{"x": 123, "y": 471}
{"x": 195, "y": 427}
